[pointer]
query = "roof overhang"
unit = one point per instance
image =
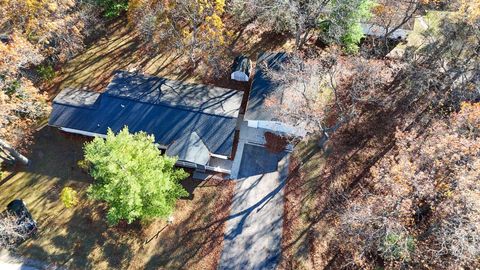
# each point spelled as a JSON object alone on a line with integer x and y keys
{"x": 277, "y": 127}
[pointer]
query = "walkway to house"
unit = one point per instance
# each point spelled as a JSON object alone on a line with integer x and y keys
{"x": 254, "y": 229}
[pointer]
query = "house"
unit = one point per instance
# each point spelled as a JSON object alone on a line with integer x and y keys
{"x": 371, "y": 29}
{"x": 194, "y": 122}
{"x": 393, "y": 17}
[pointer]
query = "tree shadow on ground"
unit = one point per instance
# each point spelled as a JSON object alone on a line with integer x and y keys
{"x": 190, "y": 184}
{"x": 80, "y": 238}
{"x": 56, "y": 154}
{"x": 321, "y": 195}
{"x": 53, "y": 165}
{"x": 197, "y": 240}
{"x": 67, "y": 238}
{"x": 85, "y": 241}
{"x": 120, "y": 48}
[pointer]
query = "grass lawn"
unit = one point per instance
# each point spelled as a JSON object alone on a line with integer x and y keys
{"x": 79, "y": 238}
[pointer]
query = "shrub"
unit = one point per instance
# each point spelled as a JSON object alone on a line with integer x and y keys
{"x": 397, "y": 247}
{"x": 69, "y": 197}
{"x": 113, "y": 8}
{"x": 46, "y": 72}
{"x": 84, "y": 165}
{"x": 12, "y": 88}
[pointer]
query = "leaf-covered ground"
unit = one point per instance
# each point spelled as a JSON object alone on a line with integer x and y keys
{"x": 79, "y": 238}
{"x": 119, "y": 48}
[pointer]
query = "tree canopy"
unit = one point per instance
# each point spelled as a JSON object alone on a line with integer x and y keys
{"x": 338, "y": 20}
{"x": 35, "y": 36}
{"x": 21, "y": 103}
{"x": 423, "y": 208}
{"x": 132, "y": 176}
{"x": 194, "y": 27}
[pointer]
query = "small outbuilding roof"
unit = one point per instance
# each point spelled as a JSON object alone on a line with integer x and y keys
{"x": 176, "y": 113}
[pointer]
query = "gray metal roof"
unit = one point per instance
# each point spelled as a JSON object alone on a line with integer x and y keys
{"x": 169, "y": 120}
{"x": 77, "y": 97}
{"x": 263, "y": 87}
{"x": 161, "y": 91}
{"x": 190, "y": 148}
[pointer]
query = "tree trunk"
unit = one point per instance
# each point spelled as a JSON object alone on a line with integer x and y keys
{"x": 19, "y": 157}
{"x": 298, "y": 34}
{"x": 304, "y": 39}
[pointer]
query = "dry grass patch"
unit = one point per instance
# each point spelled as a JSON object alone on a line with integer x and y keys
{"x": 303, "y": 192}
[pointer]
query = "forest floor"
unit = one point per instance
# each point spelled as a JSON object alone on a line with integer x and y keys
{"x": 119, "y": 48}
{"x": 79, "y": 237}
{"x": 324, "y": 181}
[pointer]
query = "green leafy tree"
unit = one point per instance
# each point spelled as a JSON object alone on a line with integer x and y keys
{"x": 345, "y": 20}
{"x": 132, "y": 176}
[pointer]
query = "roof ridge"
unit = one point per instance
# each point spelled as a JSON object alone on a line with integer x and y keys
{"x": 163, "y": 104}
{"x": 167, "y": 79}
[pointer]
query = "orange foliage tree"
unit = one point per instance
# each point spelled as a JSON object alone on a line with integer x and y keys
{"x": 57, "y": 27}
{"x": 194, "y": 27}
{"x": 35, "y": 31}
{"x": 422, "y": 208}
{"x": 21, "y": 104}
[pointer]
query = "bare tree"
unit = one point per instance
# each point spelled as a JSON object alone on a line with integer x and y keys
{"x": 393, "y": 15}
{"x": 320, "y": 93}
{"x": 297, "y": 17}
{"x": 447, "y": 66}
{"x": 10, "y": 231}
{"x": 193, "y": 28}
{"x": 301, "y": 18}
{"x": 304, "y": 92}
